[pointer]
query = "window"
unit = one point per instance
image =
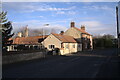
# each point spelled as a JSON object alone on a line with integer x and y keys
{"x": 35, "y": 47}
{"x": 85, "y": 38}
{"x": 73, "y": 45}
{"x": 86, "y": 45}
{"x": 51, "y": 46}
{"x": 62, "y": 46}
{"x": 78, "y": 45}
{"x": 66, "y": 46}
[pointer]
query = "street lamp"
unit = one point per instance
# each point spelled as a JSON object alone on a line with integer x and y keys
{"x": 43, "y": 38}
{"x": 43, "y": 30}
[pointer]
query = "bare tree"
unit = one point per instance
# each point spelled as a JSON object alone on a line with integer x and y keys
{"x": 53, "y": 30}
{"x": 38, "y": 32}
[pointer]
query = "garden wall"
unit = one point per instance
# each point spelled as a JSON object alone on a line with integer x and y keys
{"x": 6, "y": 59}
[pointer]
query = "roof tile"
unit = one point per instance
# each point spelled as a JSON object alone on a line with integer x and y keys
{"x": 81, "y": 30}
{"x": 64, "y": 38}
{"x": 27, "y": 40}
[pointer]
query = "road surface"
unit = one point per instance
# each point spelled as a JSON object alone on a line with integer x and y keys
{"x": 87, "y": 64}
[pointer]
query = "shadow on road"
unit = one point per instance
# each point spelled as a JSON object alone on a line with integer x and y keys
{"x": 86, "y": 64}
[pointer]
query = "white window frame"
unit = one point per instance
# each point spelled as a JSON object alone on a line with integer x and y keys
{"x": 51, "y": 46}
{"x": 67, "y": 46}
{"x": 73, "y": 45}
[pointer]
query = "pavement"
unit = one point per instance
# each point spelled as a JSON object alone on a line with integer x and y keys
{"x": 86, "y": 64}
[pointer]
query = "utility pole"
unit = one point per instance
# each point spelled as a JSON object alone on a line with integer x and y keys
{"x": 118, "y": 25}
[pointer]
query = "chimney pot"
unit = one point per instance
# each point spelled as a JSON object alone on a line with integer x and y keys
{"x": 26, "y": 31}
{"x": 62, "y": 32}
{"x": 72, "y": 24}
{"x": 82, "y": 27}
{"x": 19, "y": 34}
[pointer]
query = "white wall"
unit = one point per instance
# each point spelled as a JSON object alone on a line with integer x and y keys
{"x": 51, "y": 40}
{"x": 70, "y": 48}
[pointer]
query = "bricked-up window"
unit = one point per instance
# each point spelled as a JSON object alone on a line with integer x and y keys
{"x": 51, "y": 46}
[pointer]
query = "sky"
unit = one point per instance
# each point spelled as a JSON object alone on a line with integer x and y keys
{"x": 98, "y": 17}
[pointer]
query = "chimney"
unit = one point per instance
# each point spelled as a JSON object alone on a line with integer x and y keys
{"x": 26, "y": 32}
{"x": 19, "y": 34}
{"x": 72, "y": 24}
{"x": 82, "y": 27}
{"x": 62, "y": 32}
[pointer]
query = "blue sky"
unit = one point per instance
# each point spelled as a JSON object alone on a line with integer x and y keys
{"x": 98, "y": 17}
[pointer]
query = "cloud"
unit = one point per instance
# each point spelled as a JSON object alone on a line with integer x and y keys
{"x": 56, "y": 27}
{"x": 60, "y": 0}
{"x": 103, "y": 8}
{"x": 36, "y": 24}
{"x": 66, "y": 12}
{"x": 60, "y": 12}
{"x": 71, "y": 12}
{"x": 40, "y": 16}
{"x": 91, "y": 23}
{"x": 29, "y": 7}
{"x": 93, "y": 27}
{"x": 98, "y": 7}
{"x": 96, "y": 27}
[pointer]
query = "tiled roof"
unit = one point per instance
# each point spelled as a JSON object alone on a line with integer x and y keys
{"x": 28, "y": 40}
{"x": 82, "y": 31}
{"x": 64, "y": 38}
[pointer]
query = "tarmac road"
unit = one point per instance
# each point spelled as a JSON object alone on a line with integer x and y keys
{"x": 87, "y": 64}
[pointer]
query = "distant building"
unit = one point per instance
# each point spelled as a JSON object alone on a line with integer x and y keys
{"x": 80, "y": 35}
{"x": 118, "y": 23}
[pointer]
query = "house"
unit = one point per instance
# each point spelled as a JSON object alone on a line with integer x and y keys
{"x": 66, "y": 44}
{"x": 70, "y": 41}
{"x": 81, "y": 35}
{"x": 27, "y": 43}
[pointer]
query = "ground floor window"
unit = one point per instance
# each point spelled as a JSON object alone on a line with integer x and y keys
{"x": 62, "y": 46}
{"x": 67, "y": 46}
{"x": 86, "y": 45}
{"x": 51, "y": 46}
{"x": 35, "y": 47}
{"x": 79, "y": 45}
{"x": 73, "y": 45}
